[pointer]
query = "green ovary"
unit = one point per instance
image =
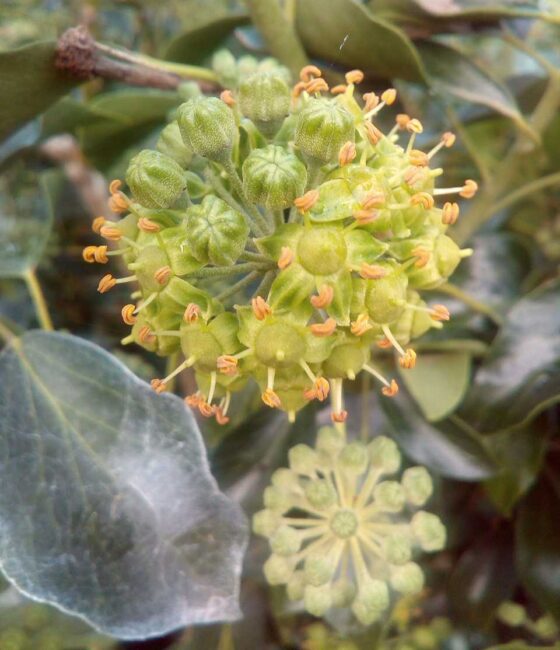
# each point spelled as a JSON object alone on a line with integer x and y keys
{"x": 279, "y": 345}
{"x": 322, "y": 251}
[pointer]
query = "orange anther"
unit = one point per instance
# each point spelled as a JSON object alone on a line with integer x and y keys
{"x": 162, "y": 275}
{"x": 339, "y": 89}
{"x": 286, "y": 257}
{"x": 101, "y": 254}
{"x": 354, "y": 77}
{"x": 227, "y": 97}
{"x": 308, "y": 72}
{"x": 316, "y": 86}
{"x": 110, "y": 232}
{"x": 392, "y": 390}
{"x": 322, "y": 388}
{"x": 97, "y": 223}
{"x": 261, "y": 308}
{"x": 340, "y": 416}
{"x": 414, "y": 126}
{"x": 147, "y": 225}
{"x": 127, "y": 313}
{"x": 402, "y": 120}
{"x": 221, "y": 418}
{"x": 205, "y": 409}
{"x": 374, "y": 199}
{"x": 372, "y": 271}
{"x": 106, "y": 283}
{"x": 305, "y": 202}
{"x": 408, "y": 360}
{"x": 193, "y": 400}
{"x": 439, "y": 313}
{"x": 145, "y": 335}
{"x": 361, "y": 325}
{"x": 323, "y": 329}
{"x": 158, "y": 385}
{"x": 469, "y": 189}
{"x": 389, "y": 96}
{"x": 448, "y": 139}
{"x": 227, "y": 364}
{"x": 323, "y": 298}
{"x": 371, "y": 100}
{"x": 418, "y": 158}
{"x": 373, "y": 134}
{"x": 192, "y": 313}
{"x": 298, "y": 89}
{"x": 364, "y": 217}
{"x": 88, "y": 254}
{"x": 115, "y": 186}
{"x": 347, "y": 153}
{"x": 118, "y": 202}
{"x": 270, "y": 398}
{"x": 422, "y": 255}
{"x": 384, "y": 344}
{"x": 424, "y": 199}
{"x": 450, "y": 213}
{"x": 413, "y": 175}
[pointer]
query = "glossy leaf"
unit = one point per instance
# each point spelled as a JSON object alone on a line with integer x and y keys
{"x": 519, "y": 378}
{"x": 351, "y": 35}
{"x": 445, "y": 449}
{"x": 118, "y": 520}
{"x": 538, "y": 542}
{"x": 29, "y": 79}
{"x": 439, "y": 382}
{"x": 452, "y": 73}
{"x": 483, "y": 577}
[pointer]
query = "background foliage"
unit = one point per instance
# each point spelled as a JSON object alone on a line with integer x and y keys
{"x": 480, "y": 410}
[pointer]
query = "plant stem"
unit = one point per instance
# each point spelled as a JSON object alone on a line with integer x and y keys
{"x": 278, "y": 33}
{"x": 38, "y": 299}
{"x": 526, "y": 190}
{"x": 470, "y": 301}
{"x": 172, "y": 363}
{"x": 266, "y": 283}
{"x": 241, "y": 284}
{"x": 224, "y": 271}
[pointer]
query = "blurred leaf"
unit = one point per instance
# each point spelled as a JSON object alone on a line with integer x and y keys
{"x": 22, "y": 139}
{"x": 522, "y": 645}
{"x": 538, "y": 542}
{"x": 118, "y": 520}
{"x": 519, "y": 454}
{"x": 483, "y": 578}
{"x": 68, "y": 114}
{"x": 452, "y": 73}
{"x": 134, "y": 114}
{"x": 447, "y": 450}
{"x": 30, "y": 84}
{"x": 350, "y": 35}
{"x": 25, "y": 220}
{"x": 521, "y": 374}
{"x": 195, "y": 45}
{"x": 439, "y": 382}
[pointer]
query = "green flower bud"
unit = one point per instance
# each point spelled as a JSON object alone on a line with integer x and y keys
{"x": 208, "y": 127}
{"x": 407, "y": 579}
{"x": 371, "y": 601}
{"x": 353, "y": 459}
{"x": 429, "y": 531}
{"x": 545, "y": 627}
{"x": 322, "y": 250}
{"x": 417, "y": 484}
{"x": 317, "y": 600}
{"x": 322, "y": 128}
{"x": 273, "y": 177}
{"x": 149, "y": 261}
{"x": 389, "y": 496}
{"x": 511, "y": 614}
{"x": 296, "y": 586}
{"x": 246, "y": 66}
{"x": 318, "y": 569}
{"x": 385, "y": 298}
{"x": 265, "y": 99}
{"x": 279, "y": 344}
{"x": 284, "y": 479}
{"x": 189, "y": 90}
{"x": 216, "y": 233}
{"x": 346, "y": 360}
{"x": 343, "y": 592}
{"x": 266, "y": 522}
{"x": 170, "y": 144}
{"x": 321, "y": 494}
{"x": 397, "y": 549}
{"x": 303, "y": 459}
{"x": 155, "y": 180}
{"x": 424, "y": 638}
{"x": 330, "y": 440}
{"x": 278, "y": 570}
{"x": 225, "y": 66}
{"x": 277, "y": 500}
{"x": 285, "y": 541}
{"x": 384, "y": 455}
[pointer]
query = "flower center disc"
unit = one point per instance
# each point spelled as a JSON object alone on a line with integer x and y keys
{"x": 344, "y": 523}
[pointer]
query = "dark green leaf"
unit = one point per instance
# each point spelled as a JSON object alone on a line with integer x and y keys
{"x": 448, "y": 450}
{"x": 521, "y": 375}
{"x": 538, "y": 542}
{"x": 108, "y": 509}
{"x": 195, "y": 45}
{"x": 69, "y": 114}
{"x": 483, "y": 578}
{"x": 439, "y": 382}
{"x": 453, "y": 73}
{"x": 30, "y": 84}
{"x": 352, "y": 36}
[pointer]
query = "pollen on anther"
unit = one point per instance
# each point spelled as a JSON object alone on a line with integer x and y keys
{"x": 354, "y": 77}
{"x": 192, "y": 313}
{"x": 323, "y": 329}
{"x": 127, "y": 313}
{"x": 391, "y": 390}
{"x": 227, "y": 97}
{"x": 308, "y": 72}
{"x": 261, "y": 308}
{"x": 286, "y": 257}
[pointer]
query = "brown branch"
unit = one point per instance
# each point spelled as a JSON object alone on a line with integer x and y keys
{"x": 81, "y": 56}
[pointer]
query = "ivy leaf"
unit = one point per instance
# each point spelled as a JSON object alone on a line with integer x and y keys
{"x": 438, "y": 382}
{"x": 29, "y": 79}
{"x": 352, "y": 36}
{"x": 453, "y": 73}
{"x": 538, "y": 542}
{"x": 520, "y": 376}
{"x": 447, "y": 450}
{"x": 108, "y": 509}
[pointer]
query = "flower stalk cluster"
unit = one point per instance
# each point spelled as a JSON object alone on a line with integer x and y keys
{"x": 277, "y": 235}
{"x": 342, "y": 533}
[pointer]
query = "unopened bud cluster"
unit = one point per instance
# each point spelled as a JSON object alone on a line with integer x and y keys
{"x": 343, "y": 529}
{"x": 515, "y": 615}
{"x": 277, "y": 235}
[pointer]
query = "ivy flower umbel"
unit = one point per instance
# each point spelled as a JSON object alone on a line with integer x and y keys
{"x": 342, "y": 531}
